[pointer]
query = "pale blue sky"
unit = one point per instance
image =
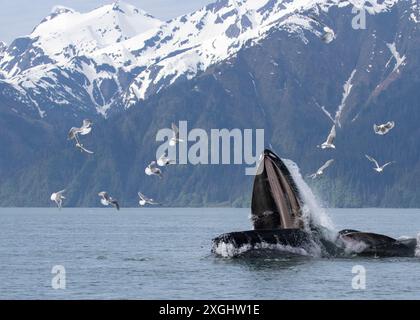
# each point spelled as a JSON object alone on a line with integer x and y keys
{"x": 19, "y": 17}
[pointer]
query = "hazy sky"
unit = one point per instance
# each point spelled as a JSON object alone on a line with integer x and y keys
{"x": 19, "y": 17}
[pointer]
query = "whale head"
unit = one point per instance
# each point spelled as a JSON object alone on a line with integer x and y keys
{"x": 276, "y": 202}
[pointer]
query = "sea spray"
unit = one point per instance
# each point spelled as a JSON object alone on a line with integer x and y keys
{"x": 313, "y": 214}
{"x": 228, "y": 250}
{"x": 417, "y": 251}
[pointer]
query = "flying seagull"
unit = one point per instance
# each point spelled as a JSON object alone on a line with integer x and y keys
{"x": 106, "y": 200}
{"x": 328, "y": 35}
{"x": 152, "y": 170}
{"x": 164, "y": 161}
{"x": 85, "y": 129}
{"x": 320, "y": 171}
{"x": 378, "y": 168}
{"x": 145, "y": 200}
{"x": 175, "y": 136}
{"x": 58, "y": 198}
{"x": 383, "y": 129}
{"x": 329, "y": 143}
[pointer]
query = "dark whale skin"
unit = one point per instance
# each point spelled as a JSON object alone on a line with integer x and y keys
{"x": 286, "y": 237}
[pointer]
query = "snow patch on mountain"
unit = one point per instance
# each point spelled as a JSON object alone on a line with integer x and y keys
{"x": 348, "y": 86}
{"x": 66, "y": 33}
{"x": 399, "y": 60}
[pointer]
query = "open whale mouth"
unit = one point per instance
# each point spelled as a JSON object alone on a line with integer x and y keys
{"x": 276, "y": 202}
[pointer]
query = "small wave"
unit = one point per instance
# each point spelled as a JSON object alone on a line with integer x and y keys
{"x": 137, "y": 259}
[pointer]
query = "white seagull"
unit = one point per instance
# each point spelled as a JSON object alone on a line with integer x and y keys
{"x": 152, "y": 170}
{"x": 378, "y": 168}
{"x": 383, "y": 129}
{"x": 58, "y": 198}
{"x": 85, "y": 129}
{"x": 145, "y": 200}
{"x": 329, "y": 143}
{"x": 106, "y": 200}
{"x": 320, "y": 171}
{"x": 328, "y": 35}
{"x": 175, "y": 136}
{"x": 164, "y": 161}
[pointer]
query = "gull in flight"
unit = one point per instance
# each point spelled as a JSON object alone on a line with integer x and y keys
{"x": 58, "y": 198}
{"x": 164, "y": 161}
{"x": 383, "y": 129}
{"x": 106, "y": 200}
{"x": 320, "y": 171}
{"x": 145, "y": 200}
{"x": 175, "y": 136}
{"x": 85, "y": 129}
{"x": 329, "y": 143}
{"x": 378, "y": 168}
{"x": 152, "y": 170}
{"x": 328, "y": 35}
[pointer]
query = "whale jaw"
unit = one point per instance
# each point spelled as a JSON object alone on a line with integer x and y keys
{"x": 276, "y": 202}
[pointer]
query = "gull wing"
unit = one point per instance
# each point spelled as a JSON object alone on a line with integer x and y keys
{"x": 115, "y": 204}
{"x": 332, "y": 135}
{"x": 387, "y": 164}
{"x": 142, "y": 196}
{"x": 73, "y": 133}
{"x": 175, "y": 130}
{"x": 326, "y": 164}
{"x": 372, "y": 160}
{"x": 104, "y": 195}
{"x": 84, "y": 149}
{"x": 390, "y": 125}
{"x": 76, "y": 137}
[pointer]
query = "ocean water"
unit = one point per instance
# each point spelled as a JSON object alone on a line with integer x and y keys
{"x": 165, "y": 254}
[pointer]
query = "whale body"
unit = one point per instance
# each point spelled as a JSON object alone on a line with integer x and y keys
{"x": 278, "y": 222}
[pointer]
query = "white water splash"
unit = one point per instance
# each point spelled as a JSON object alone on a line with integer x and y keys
{"x": 313, "y": 213}
{"x": 417, "y": 251}
{"x": 228, "y": 250}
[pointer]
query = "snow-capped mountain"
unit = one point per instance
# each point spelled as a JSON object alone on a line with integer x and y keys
{"x": 46, "y": 67}
{"x": 116, "y": 55}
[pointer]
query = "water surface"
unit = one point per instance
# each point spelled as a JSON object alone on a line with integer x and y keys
{"x": 165, "y": 254}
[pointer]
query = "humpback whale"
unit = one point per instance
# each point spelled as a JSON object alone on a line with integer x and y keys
{"x": 280, "y": 223}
